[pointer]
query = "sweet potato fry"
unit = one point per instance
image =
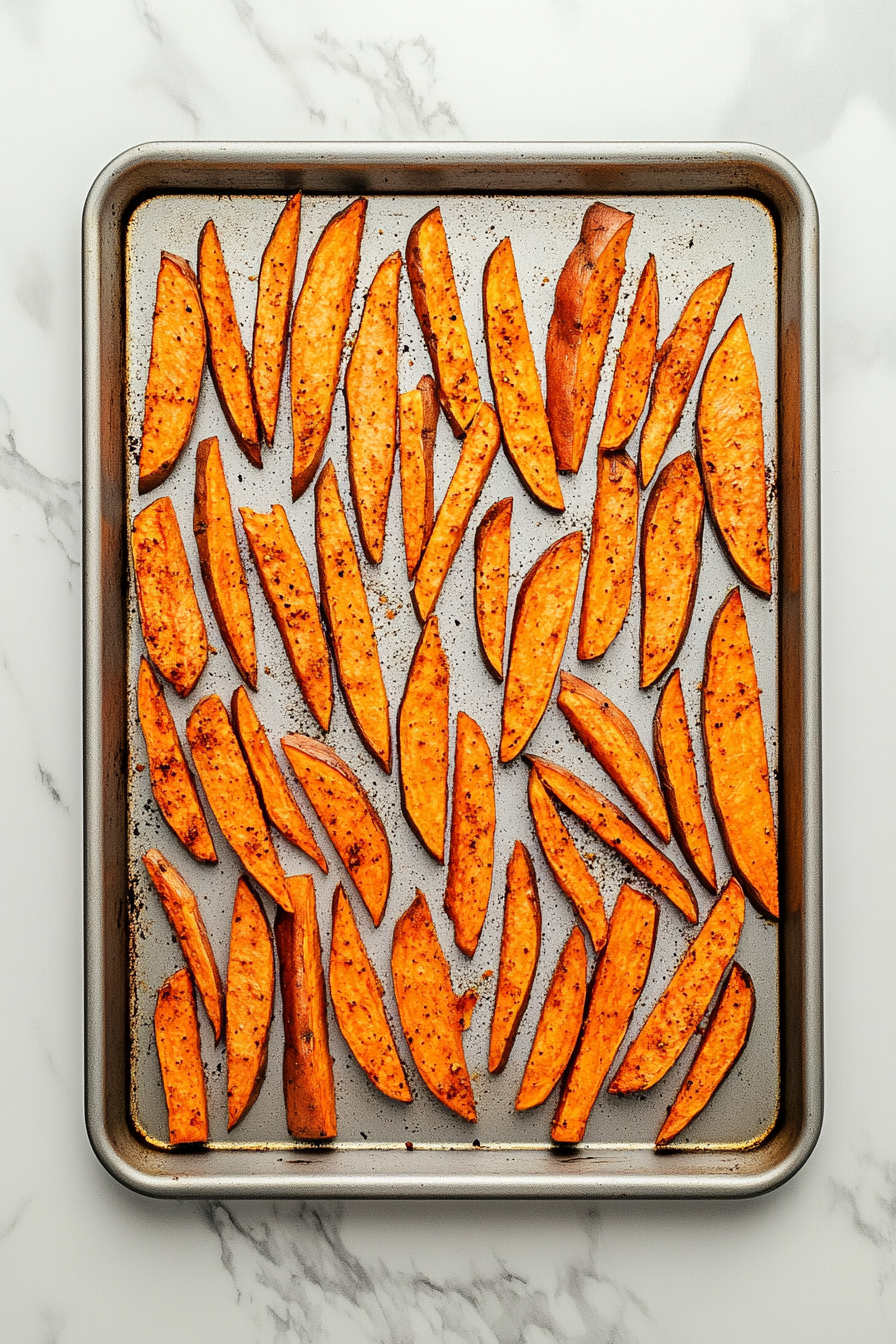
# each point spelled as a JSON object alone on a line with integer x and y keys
{"x": 573, "y": 875}
{"x": 227, "y": 356}
{"x": 520, "y": 946}
{"x": 615, "y": 829}
{"x": 180, "y": 905}
{"x": 183, "y": 1078}
{"x": 277, "y": 801}
{"x": 676, "y": 1015}
{"x": 671, "y": 542}
{"x": 287, "y": 586}
{"x": 731, "y": 453}
{"x": 615, "y": 989}
{"x": 607, "y": 590}
{"x": 559, "y": 1025}
{"x": 272, "y": 308}
{"x": 418, "y": 415}
{"x": 584, "y": 304}
{"x": 736, "y": 759}
{"x": 357, "y": 998}
{"x": 344, "y": 603}
{"x": 250, "y": 1002}
{"x": 471, "y": 856}
{"x": 423, "y": 741}
{"x": 674, "y": 754}
{"x": 478, "y": 452}
{"x": 308, "y": 1087}
{"x": 319, "y": 324}
{"x": 677, "y": 364}
{"x": 518, "y": 398}
{"x": 170, "y": 618}
{"x": 170, "y": 777}
{"x": 492, "y": 566}
{"x": 228, "y": 787}
{"x": 220, "y": 561}
{"x": 634, "y": 363}
{"x": 434, "y": 292}
{"x": 176, "y": 362}
{"x": 347, "y": 815}
{"x": 611, "y": 738}
{"x": 429, "y": 1009}
{"x": 541, "y": 619}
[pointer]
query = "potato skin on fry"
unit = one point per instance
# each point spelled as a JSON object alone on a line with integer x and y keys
{"x": 307, "y": 1064}
{"x": 227, "y": 357}
{"x": 180, "y": 905}
{"x": 176, "y": 362}
{"x": 250, "y": 1002}
{"x": 573, "y": 876}
{"x": 520, "y": 947}
{"x": 171, "y": 779}
{"x": 559, "y": 1025}
{"x": 220, "y": 561}
{"x": 674, "y": 754}
{"x": 671, "y": 547}
{"x": 423, "y": 741}
{"x": 183, "y": 1078}
{"x": 418, "y": 415}
{"x": 170, "y": 618}
{"x": 492, "y": 569}
{"x": 607, "y": 590}
{"x": 471, "y": 856}
{"x": 634, "y": 363}
{"x": 275, "y": 281}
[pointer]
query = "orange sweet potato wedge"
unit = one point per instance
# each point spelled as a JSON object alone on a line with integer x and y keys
{"x": 559, "y": 1025}
{"x": 272, "y": 309}
{"x": 430, "y": 1011}
{"x": 173, "y": 786}
{"x": 478, "y": 452}
{"x": 615, "y": 989}
{"x": 584, "y": 304}
{"x": 671, "y": 543}
{"x": 520, "y": 946}
{"x": 277, "y": 800}
{"x": 677, "y": 365}
{"x": 418, "y": 415}
{"x": 573, "y": 875}
{"x": 180, "y": 905}
{"x": 357, "y": 998}
{"x": 308, "y": 1086}
{"x": 347, "y": 815}
{"x": 319, "y": 325}
{"x": 183, "y": 1078}
{"x": 615, "y": 829}
{"x": 228, "y": 786}
{"x": 176, "y": 362}
{"x": 250, "y": 1002}
{"x": 220, "y": 561}
{"x": 437, "y": 306}
{"x": 677, "y": 1014}
{"x": 471, "y": 856}
{"x": 611, "y": 738}
{"x": 287, "y": 586}
{"x": 541, "y": 619}
{"x": 731, "y": 453}
{"x": 736, "y": 759}
{"x": 344, "y": 603}
{"x": 720, "y": 1049}
{"x": 170, "y": 618}
{"x": 634, "y": 363}
{"x": 674, "y": 754}
{"x": 607, "y": 590}
{"x": 492, "y": 582}
{"x": 371, "y": 394}
{"x": 423, "y": 741}
{"x": 227, "y": 356}
{"x": 518, "y": 399}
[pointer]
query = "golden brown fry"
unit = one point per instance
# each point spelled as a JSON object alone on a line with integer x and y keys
{"x": 180, "y": 905}
{"x": 250, "y": 1002}
{"x": 418, "y": 414}
{"x": 220, "y": 561}
{"x": 170, "y": 618}
{"x": 176, "y": 362}
{"x": 634, "y": 363}
{"x": 520, "y": 946}
{"x": 272, "y": 308}
{"x": 573, "y": 876}
{"x": 307, "y": 1065}
{"x": 319, "y": 324}
{"x": 423, "y": 741}
{"x": 671, "y": 544}
{"x": 674, "y": 754}
{"x": 227, "y": 356}
{"x": 183, "y": 1078}
{"x": 559, "y": 1025}
{"x": 492, "y": 566}
{"x": 607, "y": 590}
{"x": 172, "y": 782}
{"x": 471, "y": 856}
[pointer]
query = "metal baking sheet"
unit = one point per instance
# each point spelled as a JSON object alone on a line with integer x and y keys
{"x": 691, "y": 232}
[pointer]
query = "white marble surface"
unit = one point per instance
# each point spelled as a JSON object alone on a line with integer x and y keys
{"x": 84, "y": 1260}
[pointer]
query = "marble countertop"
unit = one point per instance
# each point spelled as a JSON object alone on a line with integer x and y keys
{"x": 82, "y": 1259}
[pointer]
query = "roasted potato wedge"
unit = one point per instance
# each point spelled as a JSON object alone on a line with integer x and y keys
{"x": 671, "y": 544}
{"x": 584, "y": 304}
{"x": 171, "y": 779}
{"x": 492, "y": 569}
{"x": 176, "y": 362}
{"x": 573, "y": 875}
{"x": 250, "y": 1002}
{"x": 677, "y": 1014}
{"x": 517, "y": 390}
{"x": 674, "y": 754}
{"x": 471, "y": 856}
{"x": 170, "y": 618}
{"x": 731, "y": 453}
{"x": 275, "y": 281}
{"x": 736, "y": 758}
{"x": 541, "y": 617}
{"x": 287, "y": 586}
{"x": 347, "y": 815}
{"x": 634, "y": 363}
{"x": 220, "y": 561}
{"x": 520, "y": 946}
{"x": 319, "y": 325}
{"x": 559, "y": 1025}
{"x": 183, "y": 1078}
{"x": 180, "y": 905}
{"x": 607, "y": 590}
{"x": 418, "y": 415}
{"x": 227, "y": 356}
{"x": 615, "y": 989}
{"x": 308, "y": 1087}
{"x": 357, "y": 997}
{"x": 478, "y": 452}
{"x": 430, "y": 1011}
{"x": 423, "y": 742}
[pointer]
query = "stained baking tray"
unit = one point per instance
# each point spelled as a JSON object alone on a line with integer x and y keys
{"x": 696, "y": 208}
